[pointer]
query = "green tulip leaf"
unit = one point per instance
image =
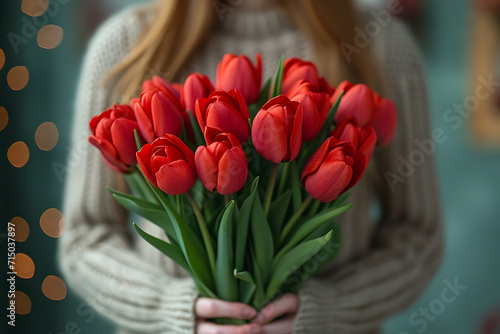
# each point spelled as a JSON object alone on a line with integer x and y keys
{"x": 331, "y": 114}
{"x": 326, "y": 255}
{"x": 277, "y": 213}
{"x": 152, "y": 212}
{"x": 247, "y": 286}
{"x": 295, "y": 258}
{"x": 170, "y": 250}
{"x": 242, "y": 226}
{"x": 278, "y": 79}
{"x": 227, "y": 284}
{"x": 309, "y": 226}
{"x": 296, "y": 186}
{"x": 137, "y": 138}
{"x": 262, "y": 238}
{"x": 191, "y": 246}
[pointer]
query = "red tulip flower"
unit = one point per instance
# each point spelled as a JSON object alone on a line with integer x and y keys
{"x": 158, "y": 110}
{"x": 363, "y": 139}
{"x": 357, "y": 102}
{"x": 113, "y": 134}
{"x": 295, "y": 69}
{"x": 222, "y": 165}
{"x": 315, "y": 106}
{"x": 226, "y": 111}
{"x": 238, "y": 72}
{"x": 195, "y": 87}
{"x": 277, "y": 129}
{"x": 168, "y": 164}
{"x": 385, "y": 120}
{"x": 333, "y": 169}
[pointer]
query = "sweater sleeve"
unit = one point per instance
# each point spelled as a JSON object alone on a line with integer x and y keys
{"x": 407, "y": 246}
{"x": 96, "y": 253}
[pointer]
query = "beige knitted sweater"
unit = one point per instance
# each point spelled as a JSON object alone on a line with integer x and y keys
{"x": 382, "y": 267}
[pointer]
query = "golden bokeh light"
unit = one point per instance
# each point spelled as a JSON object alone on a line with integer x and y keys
{"x": 18, "y": 154}
{"x": 4, "y": 118}
{"x": 22, "y": 302}
{"x": 18, "y": 77}
{"x": 52, "y": 222}
{"x": 46, "y": 136}
{"x": 2, "y": 59}
{"x": 34, "y": 7}
{"x": 24, "y": 266}
{"x": 54, "y": 288}
{"x": 50, "y": 36}
{"x": 22, "y": 229}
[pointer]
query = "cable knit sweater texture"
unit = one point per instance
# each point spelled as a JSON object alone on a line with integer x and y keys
{"x": 381, "y": 269}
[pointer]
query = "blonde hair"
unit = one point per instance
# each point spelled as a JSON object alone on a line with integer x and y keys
{"x": 180, "y": 25}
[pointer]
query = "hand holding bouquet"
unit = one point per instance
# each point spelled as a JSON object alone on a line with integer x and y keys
{"x": 245, "y": 180}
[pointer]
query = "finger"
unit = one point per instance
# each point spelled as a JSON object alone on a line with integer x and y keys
{"x": 282, "y": 326}
{"x": 214, "y": 308}
{"x": 205, "y": 327}
{"x": 288, "y": 303}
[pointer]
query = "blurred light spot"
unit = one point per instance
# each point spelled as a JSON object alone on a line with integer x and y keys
{"x": 24, "y": 266}
{"x": 23, "y": 303}
{"x": 18, "y": 154}
{"x": 46, "y": 136}
{"x": 50, "y": 36}
{"x": 4, "y": 118}
{"x": 34, "y": 7}
{"x": 54, "y": 288}
{"x": 18, "y": 77}
{"x": 22, "y": 229}
{"x": 52, "y": 222}
{"x": 2, "y": 59}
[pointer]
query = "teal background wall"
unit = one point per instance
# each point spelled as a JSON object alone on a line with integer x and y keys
{"x": 469, "y": 175}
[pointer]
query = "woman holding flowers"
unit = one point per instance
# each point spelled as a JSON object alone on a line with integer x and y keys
{"x": 385, "y": 261}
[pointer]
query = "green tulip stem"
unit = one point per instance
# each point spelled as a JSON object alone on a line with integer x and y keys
{"x": 139, "y": 185}
{"x": 284, "y": 178}
{"x": 270, "y": 188}
{"x": 314, "y": 208}
{"x": 289, "y": 225}
{"x": 204, "y": 231}
{"x": 227, "y": 199}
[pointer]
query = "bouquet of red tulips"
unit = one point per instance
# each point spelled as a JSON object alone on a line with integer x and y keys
{"x": 245, "y": 180}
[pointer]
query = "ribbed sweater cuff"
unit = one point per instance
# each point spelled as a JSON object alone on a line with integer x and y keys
{"x": 312, "y": 315}
{"x": 178, "y": 306}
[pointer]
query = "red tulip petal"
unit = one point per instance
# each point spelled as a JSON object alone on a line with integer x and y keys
{"x": 269, "y": 137}
{"x": 357, "y": 102}
{"x": 206, "y": 167}
{"x": 316, "y": 159}
{"x": 343, "y": 86}
{"x": 328, "y": 181}
{"x": 385, "y": 120}
{"x": 258, "y": 71}
{"x": 176, "y": 178}
{"x": 242, "y": 105}
{"x": 359, "y": 168}
{"x": 108, "y": 154}
{"x": 188, "y": 154}
{"x": 225, "y": 117}
{"x": 144, "y": 123}
{"x": 296, "y": 135}
{"x": 233, "y": 172}
{"x": 166, "y": 118}
{"x": 368, "y": 140}
{"x": 280, "y": 100}
{"x": 122, "y": 133}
